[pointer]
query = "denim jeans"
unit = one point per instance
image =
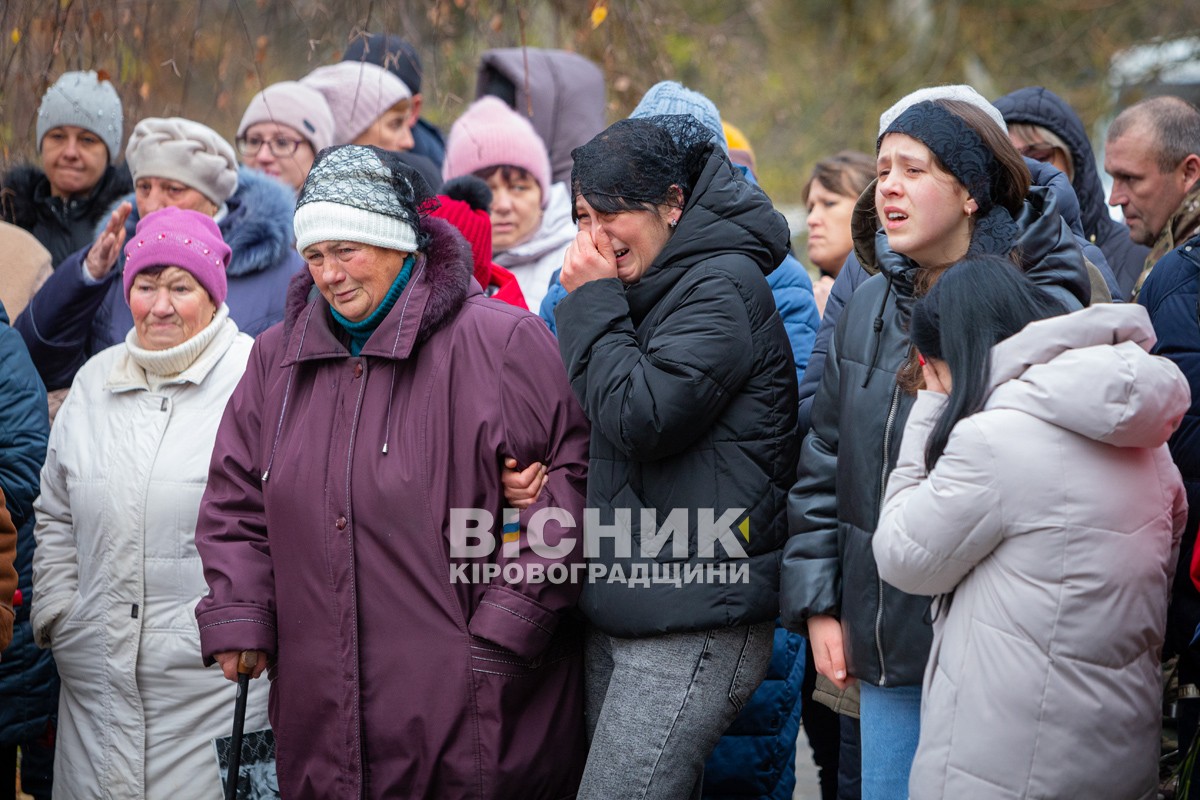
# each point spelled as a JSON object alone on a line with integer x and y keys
{"x": 656, "y": 707}
{"x": 890, "y": 725}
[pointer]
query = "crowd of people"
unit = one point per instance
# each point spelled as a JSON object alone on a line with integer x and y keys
{"x": 528, "y": 460}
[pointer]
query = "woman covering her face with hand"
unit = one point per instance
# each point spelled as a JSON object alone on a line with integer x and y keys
{"x": 948, "y": 183}
{"x": 675, "y": 349}
{"x": 1035, "y": 494}
{"x": 116, "y": 573}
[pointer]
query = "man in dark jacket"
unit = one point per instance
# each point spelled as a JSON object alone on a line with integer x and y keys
{"x": 1153, "y": 155}
{"x": 1036, "y": 110}
{"x": 78, "y": 138}
{"x": 28, "y": 679}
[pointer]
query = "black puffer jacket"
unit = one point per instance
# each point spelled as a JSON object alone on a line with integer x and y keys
{"x": 1036, "y": 105}
{"x": 688, "y": 380}
{"x": 61, "y": 227}
{"x": 828, "y": 565}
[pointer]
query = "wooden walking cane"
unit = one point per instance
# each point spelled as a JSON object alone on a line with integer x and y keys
{"x": 246, "y": 663}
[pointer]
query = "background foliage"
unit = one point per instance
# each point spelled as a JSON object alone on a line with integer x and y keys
{"x": 802, "y": 78}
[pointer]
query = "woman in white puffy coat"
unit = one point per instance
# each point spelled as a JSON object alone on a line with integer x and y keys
{"x": 116, "y": 572}
{"x": 1034, "y": 493}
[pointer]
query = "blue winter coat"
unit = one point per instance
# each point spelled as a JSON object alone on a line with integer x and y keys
{"x": 28, "y": 680}
{"x": 1036, "y": 105}
{"x": 71, "y": 319}
{"x": 1171, "y": 294}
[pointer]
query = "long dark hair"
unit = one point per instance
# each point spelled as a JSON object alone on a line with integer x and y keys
{"x": 978, "y": 302}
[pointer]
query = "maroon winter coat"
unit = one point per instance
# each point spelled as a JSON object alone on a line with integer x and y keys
{"x": 324, "y": 533}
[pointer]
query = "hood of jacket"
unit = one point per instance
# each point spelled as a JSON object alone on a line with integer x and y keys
{"x": 1046, "y": 245}
{"x": 441, "y": 282}
{"x": 1036, "y": 105}
{"x": 563, "y": 91}
{"x": 257, "y": 226}
{"x": 555, "y": 232}
{"x": 725, "y": 214}
{"x": 1101, "y": 353}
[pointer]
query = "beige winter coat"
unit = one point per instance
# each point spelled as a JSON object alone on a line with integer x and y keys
{"x": 117, "y": 578}
{"x": 1054, "y": 519}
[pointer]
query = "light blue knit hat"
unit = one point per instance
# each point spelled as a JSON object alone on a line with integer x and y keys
{"x": 84, "y": 100}
{"x": 672, "y": 97}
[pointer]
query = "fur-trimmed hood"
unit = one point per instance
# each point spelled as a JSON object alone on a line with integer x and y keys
{"x": 257, "y": 227}
{"x": 445, "y": 266}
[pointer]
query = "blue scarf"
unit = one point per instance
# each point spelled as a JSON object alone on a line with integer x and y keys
{"x": 361, "y": 331}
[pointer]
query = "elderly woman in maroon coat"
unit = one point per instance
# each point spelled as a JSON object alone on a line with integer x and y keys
{"x": 408, "y": 657}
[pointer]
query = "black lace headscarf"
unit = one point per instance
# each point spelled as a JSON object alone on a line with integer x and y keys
{"x": 632, "y": 164}
{"x": 965, "y": 156}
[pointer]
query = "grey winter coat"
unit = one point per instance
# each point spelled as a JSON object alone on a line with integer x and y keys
{"x": 1051, "y": 525}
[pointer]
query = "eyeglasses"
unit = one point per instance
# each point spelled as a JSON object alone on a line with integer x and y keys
{"x": 281, "y": 146}
{"x": 1039, "y": 151}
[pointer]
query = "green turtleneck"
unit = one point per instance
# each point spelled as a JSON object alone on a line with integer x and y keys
{"x": 361, "y": 331}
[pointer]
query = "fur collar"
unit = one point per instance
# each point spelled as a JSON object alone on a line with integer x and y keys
{"x": 447, "y": 270}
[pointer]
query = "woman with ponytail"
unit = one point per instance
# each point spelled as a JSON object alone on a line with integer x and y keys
{"x": 1035, "y": 497}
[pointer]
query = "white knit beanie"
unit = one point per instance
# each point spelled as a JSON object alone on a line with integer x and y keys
{"x": 185, "y": 151}
{"x": 358, "y": 194}
{"x": 950, "y": 91}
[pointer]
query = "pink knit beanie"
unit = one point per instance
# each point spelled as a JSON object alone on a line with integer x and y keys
{"x": 174, "y": 237}
{"x": 358, "y": 93}
{"x": 291, "y": 103}
{"x": 490, "y": 134}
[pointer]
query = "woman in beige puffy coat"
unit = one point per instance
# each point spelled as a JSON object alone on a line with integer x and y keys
{"x": 1034, "y": 493}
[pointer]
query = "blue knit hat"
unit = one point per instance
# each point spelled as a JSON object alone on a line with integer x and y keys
{"x": 672, "y": 97}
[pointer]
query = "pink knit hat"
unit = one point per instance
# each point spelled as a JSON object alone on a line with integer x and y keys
{"x": 490, "y": 134}
{"x": 358, "y": 93}
{"x": 292, "y": 103}
{"x": 173, "y": 237}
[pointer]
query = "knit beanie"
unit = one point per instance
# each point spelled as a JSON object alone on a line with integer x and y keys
{"x": 464, "y": 204}
{"x": 182, "y": 150}
{"x": 490, "y": 134}
{"x": 671, "y": 97}
{"x": 360, "y": 194}
{"x": 950, "y": 91}
{"x": 357, "y": 93}
{"x": 291, "y": 103}
{"x": 88, "y": 101}
{"x": 175, "y": 237}
{"x": 390, "y": 52}
{"x": 740, "y": 151}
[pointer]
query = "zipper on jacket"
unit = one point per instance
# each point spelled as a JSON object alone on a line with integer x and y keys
{"x": 883, "y": 474}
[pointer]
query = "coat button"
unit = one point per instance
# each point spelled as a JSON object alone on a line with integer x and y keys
{"x": 358, "y": 370}
{"x": 340, "y": 524}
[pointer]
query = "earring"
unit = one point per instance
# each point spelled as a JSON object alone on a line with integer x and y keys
{"x": 673, "y": 223}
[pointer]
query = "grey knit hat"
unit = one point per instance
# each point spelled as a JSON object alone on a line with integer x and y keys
{"x": 361, "y": 194}
{"x": 85, "y": 100}
{"x": 184, "y": 151}
{"x": 950, "y": 91}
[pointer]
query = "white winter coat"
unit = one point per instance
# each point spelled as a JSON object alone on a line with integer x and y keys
{"x": 534, "y": 262}
{"x": 1053, "y": 517}
{"x": 117, "y": 578}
